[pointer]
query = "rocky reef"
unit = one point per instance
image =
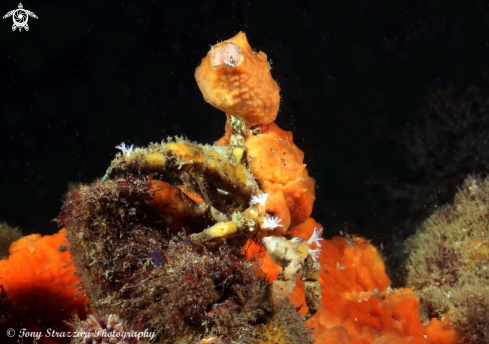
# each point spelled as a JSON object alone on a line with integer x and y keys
{"x": 154, "y": 277}
{"x": 448, "y": 262}
{"x": 210, "y": 244}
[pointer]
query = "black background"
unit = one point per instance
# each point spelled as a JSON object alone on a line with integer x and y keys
{"x": 354, "y": 75}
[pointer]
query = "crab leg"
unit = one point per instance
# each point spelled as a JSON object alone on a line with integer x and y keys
{"x": 183, "y": 158}
{"x": 294, "y": 256}
{"x": 310, "y": 280}
{"x": 254, "y": 219}
{"x": 290, "y": 256}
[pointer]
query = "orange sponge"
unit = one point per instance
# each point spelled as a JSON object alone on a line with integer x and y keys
{"x": 29, "y": 242}
{"x": 173, "y": 205}
{"x": 39, "y": 281}
{"x": 237, "y": 80}
{"x": 358, "y": 306}
{"x": 277, "y": 164}
{"x": 277, "y": 205}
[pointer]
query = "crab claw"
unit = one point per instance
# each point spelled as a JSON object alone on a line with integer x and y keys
{"x": 293, "y": 256}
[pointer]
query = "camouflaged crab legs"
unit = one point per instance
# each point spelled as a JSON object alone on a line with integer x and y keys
{"x": 197, "y": 165}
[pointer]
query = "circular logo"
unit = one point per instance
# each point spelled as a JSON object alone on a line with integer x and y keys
{"x": 20, "y": 17}
{"x": 10, "y": 332}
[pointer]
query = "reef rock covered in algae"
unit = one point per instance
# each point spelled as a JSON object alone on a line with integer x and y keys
{"x": 152, "y": 276}
{"x": 449, "y": 262}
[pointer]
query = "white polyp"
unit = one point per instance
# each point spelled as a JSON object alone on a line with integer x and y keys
{"x": 315, "y": 253}
{"x": 260, "y": 199}
{"x": 316, "y": 237}
{"x": 272, "y": 222}
{"x": 126, "y": 151}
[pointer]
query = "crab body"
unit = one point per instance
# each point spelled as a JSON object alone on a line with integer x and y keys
{"x": 252, "y": 182}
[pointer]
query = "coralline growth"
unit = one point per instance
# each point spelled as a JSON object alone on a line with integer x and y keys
{"x": 448, "y": 262}
{"x": 8, "y": 235}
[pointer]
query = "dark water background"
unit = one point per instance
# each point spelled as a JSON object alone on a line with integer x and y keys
{"x": 386, "y": 99}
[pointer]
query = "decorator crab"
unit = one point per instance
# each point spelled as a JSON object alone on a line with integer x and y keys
{"x": 252, "y": 182}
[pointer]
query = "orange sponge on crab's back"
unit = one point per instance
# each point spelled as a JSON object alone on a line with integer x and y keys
{"x": 237, "y": 81}
{"x": 277, "y": 164}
